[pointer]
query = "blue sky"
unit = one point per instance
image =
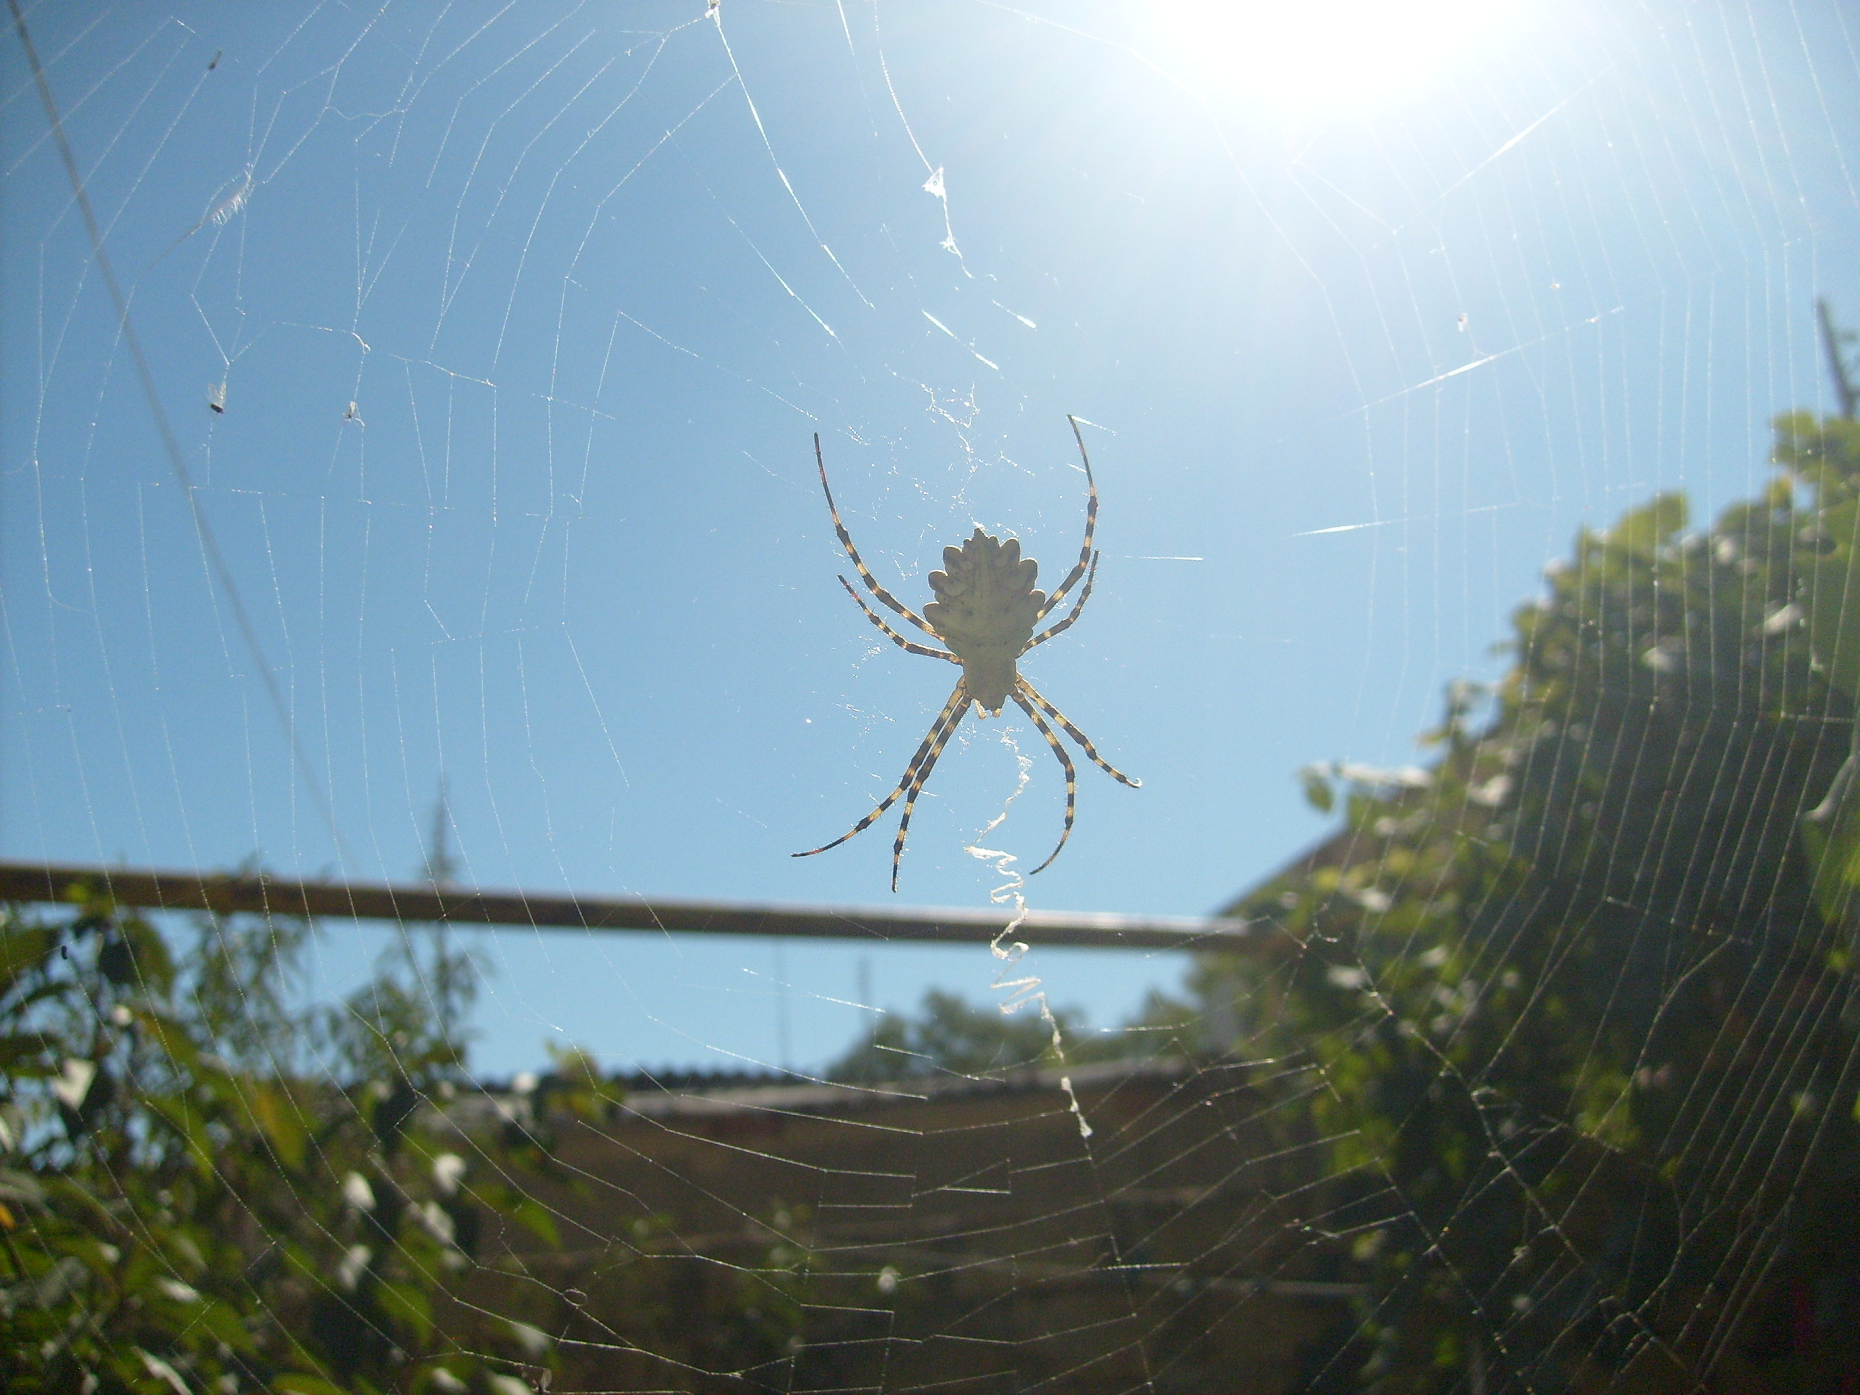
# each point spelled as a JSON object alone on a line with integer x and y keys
{"x": 525, "y": 318}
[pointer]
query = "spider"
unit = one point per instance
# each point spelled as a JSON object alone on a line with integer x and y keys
{"x": 985, "y": 610}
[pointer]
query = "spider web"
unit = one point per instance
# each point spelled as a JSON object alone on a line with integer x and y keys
{"x": 493, "y": 340}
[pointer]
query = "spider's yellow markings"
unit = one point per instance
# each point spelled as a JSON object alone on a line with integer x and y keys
{"x": 985, "y": 610}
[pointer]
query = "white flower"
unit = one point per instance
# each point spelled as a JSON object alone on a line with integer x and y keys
{"x": 354, "y": 1265}
{"x": 357, "y": 1192}
{"x": 1779, "y": 620}
{"x": 437, "y": 1223}
{"x": 448, "y": 1171}
{"x": 1492, "y": 793}
{"x": 1408, "y": 776}
{"x": 533, "y": 1340}
{"x": 162, "y": 1371}
{"x": 73, "y": 1083}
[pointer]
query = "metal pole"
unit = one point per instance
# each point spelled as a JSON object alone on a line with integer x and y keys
{"x": 191, "y": 891}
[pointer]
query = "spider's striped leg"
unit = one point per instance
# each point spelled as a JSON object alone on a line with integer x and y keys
{"x": 1091, "y": 751}
{"x": 923, "y": 773}
{"x": 932, "y": 746}
{"x": 1091, "y": 524}
{"x": 906, "y": 645}
{"x": 1072, "y": 775}
{"x": 1091, "y": 575}
{"x": 846, "y": 541}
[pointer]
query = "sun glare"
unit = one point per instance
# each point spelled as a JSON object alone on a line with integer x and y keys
{"x": 1306, "y": 54}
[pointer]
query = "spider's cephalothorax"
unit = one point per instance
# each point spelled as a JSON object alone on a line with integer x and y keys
{"x": 986, "y": 609}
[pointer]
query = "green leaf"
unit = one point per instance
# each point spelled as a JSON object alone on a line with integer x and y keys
{"x": 534, "y": 1216}
{"x": 409, "y": 1305}
{"x": 1835, "y": 851}
{"x": 21, "y": 1187}
{"x": 278, "y": 1115}
{"x": 137, "y": 957}
{"x": 19, "y": 1047}
{"x": 1318, "y": 793}
{"x": 1646, "y": 528}
{"x": 303, "y": 1383}
{"x": 22, "y": 949}
{"x": 171, "y": 1038}
{"x": 224, "y": 1323}
{"x": 181, "y": 1115}
{"x": 1831, "y": 598}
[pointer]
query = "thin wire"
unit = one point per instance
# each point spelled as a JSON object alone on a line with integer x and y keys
{"x": 208, "y": 542}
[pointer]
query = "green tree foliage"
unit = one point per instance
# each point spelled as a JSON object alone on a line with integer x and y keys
{"x": 1571, "y": 1014}
{"x": 948, "y": 1035}
{"x": 188, "y": 1202}
{"x": 1825, "y": 457}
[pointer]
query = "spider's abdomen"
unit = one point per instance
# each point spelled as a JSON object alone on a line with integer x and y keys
{"x": 985, "y": 609}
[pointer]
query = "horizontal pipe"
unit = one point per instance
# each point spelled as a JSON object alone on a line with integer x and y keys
{"x": 190, "y": 891}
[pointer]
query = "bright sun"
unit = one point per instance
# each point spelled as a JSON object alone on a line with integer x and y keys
{"x": 1316, "y": 53}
